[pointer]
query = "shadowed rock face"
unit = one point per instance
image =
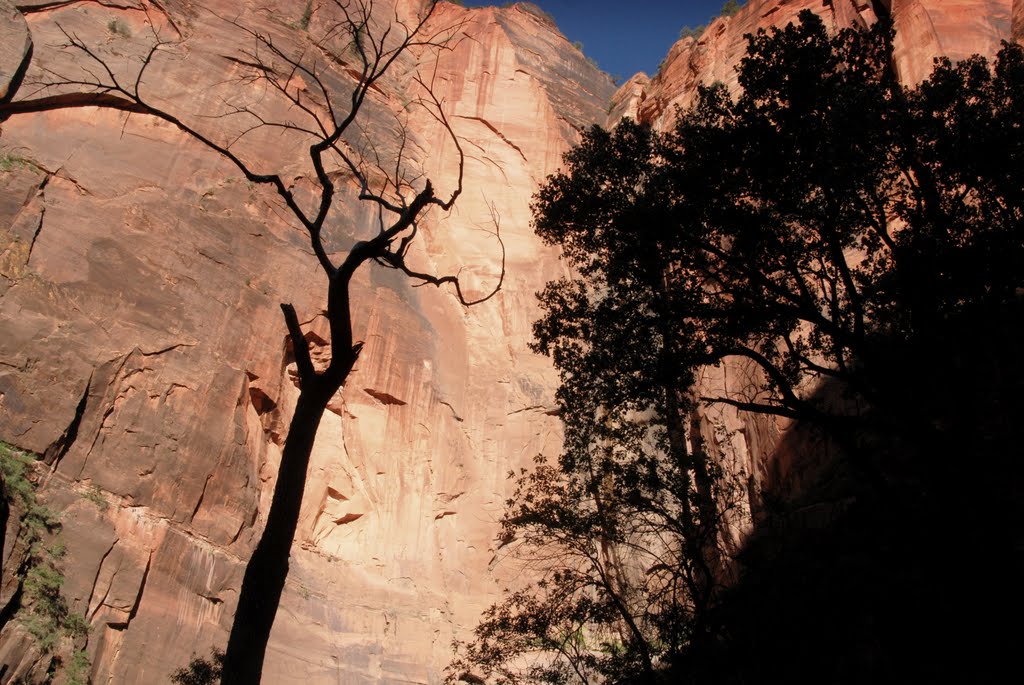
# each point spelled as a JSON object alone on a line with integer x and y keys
{"x": 764, "y": 451}
{"x": 143, "y": 350}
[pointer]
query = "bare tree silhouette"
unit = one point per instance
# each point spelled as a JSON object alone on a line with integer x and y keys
{"x": 365, "y": 48}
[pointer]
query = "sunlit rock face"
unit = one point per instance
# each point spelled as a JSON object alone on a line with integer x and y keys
{"x": 954, "y": 28}
{"x": 925, "y": 29}
{"x": 144, "y": 351}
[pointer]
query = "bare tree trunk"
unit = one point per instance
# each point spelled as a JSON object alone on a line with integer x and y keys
{"x": 268, "y": 567}
{"x": 265, "y": 575}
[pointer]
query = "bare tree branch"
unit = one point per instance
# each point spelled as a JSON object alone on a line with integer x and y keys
{"x": 324, "y": 122}
{"x": 300, "y": 346}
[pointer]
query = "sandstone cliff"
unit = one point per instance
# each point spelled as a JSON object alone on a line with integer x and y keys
{"x": 144, "y": 355}
{"x": 925, "y": 29}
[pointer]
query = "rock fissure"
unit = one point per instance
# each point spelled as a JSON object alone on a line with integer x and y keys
{"x": 202, "y": 495}
{"x": 106, "y": 414}
{"x": 41, "y": 197}
{"x": 56, "y": 451}
{"x": 455, "y": 414}
{"x": 142, "y": 589}
{"x": 95, "y": 582}
{"x": 165, "y": 350}
{"x": 496, "y": 132}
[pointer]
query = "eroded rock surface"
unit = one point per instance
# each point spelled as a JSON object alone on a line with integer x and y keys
{"x": 144, "y": 354}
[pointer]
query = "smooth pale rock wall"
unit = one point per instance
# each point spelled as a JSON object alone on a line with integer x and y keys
{"x": 144, "y": 351}
{"x": 954, "y": 28}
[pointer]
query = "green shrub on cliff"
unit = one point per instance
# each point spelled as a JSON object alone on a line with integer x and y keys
{"x": 19, "y": 491}
{"x": 730, "y": 8}
{"x": 694, "y": 32}
{"x": 118, "y": 28}
{"x": 9, "y": 161}
{"x": 40, "y": 606}
{"x": 78, "y": 668}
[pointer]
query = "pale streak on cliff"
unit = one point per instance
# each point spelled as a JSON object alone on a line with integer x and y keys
{"x": 954, "y": 28}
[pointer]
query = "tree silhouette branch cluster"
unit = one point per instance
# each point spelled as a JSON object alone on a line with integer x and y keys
{"x": 857, "y": 249}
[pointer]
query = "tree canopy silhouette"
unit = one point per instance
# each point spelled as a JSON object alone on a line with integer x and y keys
{"x": 858, "y": 245}
{"x": 367, "y": 45}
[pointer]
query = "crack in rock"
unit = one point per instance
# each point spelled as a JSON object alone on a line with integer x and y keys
{"x": 498, "y": 133}
{"x": 383, "y": 397}
{"x": 60, "y": 447}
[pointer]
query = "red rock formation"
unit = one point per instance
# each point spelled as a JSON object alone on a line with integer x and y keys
{"x": 925, "y": 29}
{"x": 957, "y": 29}
{"x": 144, "y": 353}
{"x": 143, "y": 350}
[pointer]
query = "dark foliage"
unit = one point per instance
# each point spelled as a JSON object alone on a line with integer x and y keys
{"x": 200, "y": 671}
{"x": 857, "y": 247}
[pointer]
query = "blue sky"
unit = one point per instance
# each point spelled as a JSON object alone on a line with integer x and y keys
{"x": 625, "y": 37}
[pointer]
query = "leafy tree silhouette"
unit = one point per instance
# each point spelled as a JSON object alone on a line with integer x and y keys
{"x": 200, "y": 671}
{"x": 859, "y": 247}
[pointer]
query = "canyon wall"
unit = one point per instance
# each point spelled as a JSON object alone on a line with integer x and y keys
{"x": 925, "y": 29}
{"x": 145, "y": 355}
{"x": 143, "y": 352}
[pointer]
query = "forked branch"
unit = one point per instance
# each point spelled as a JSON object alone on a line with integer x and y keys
{"x": 395, "y": 259}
